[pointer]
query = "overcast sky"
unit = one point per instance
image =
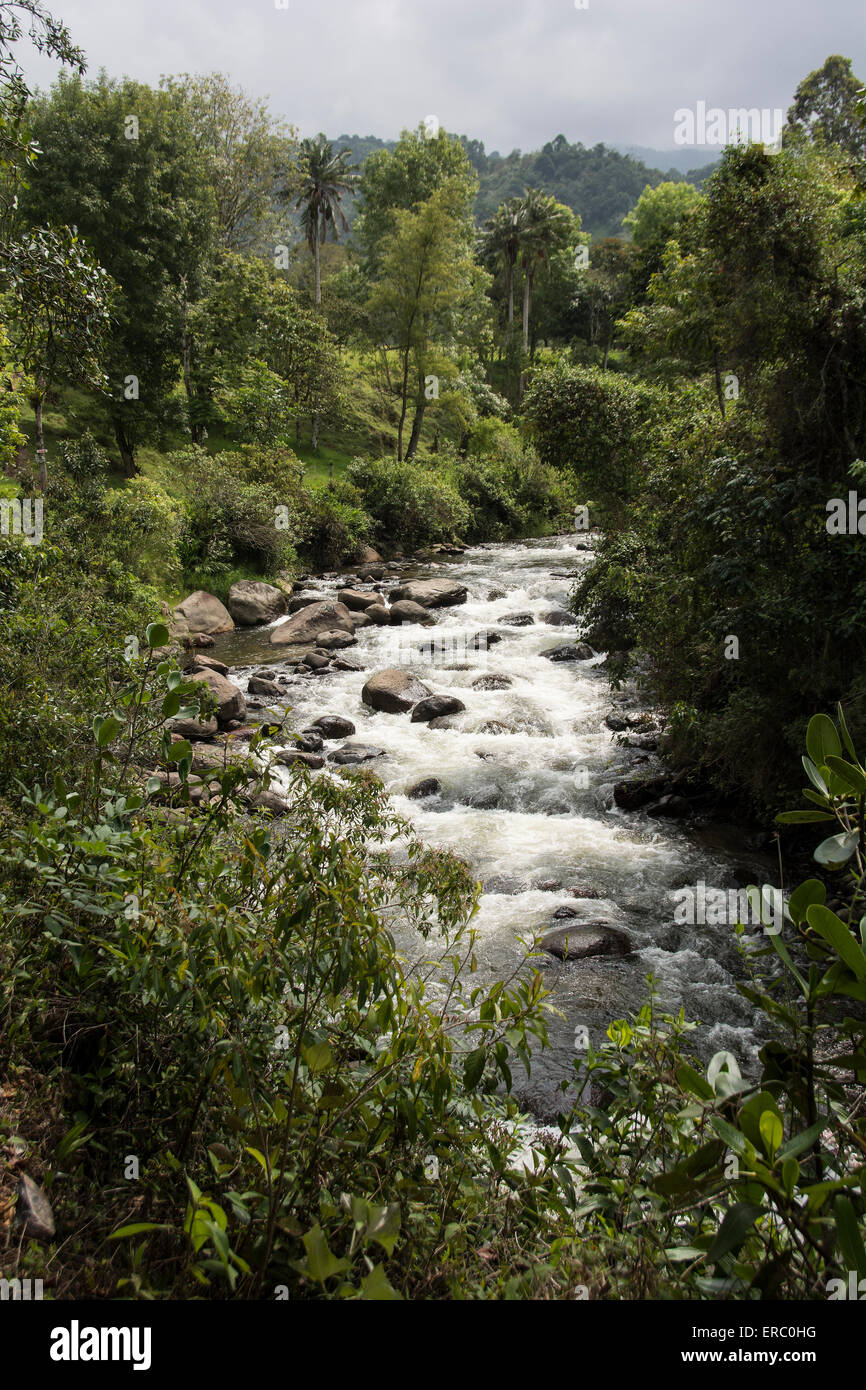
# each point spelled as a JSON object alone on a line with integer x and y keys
{"x": 509, "y": 72}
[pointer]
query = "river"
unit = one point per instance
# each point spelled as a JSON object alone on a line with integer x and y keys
{"x": 527, "y": 774}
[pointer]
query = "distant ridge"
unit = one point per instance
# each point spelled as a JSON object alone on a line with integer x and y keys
{"x": 600, "y": 182}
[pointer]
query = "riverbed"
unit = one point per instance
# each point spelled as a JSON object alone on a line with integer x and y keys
{"x": 526, "y": 776}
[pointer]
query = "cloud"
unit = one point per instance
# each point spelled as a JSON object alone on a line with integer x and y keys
{"x": 509, "y": 72}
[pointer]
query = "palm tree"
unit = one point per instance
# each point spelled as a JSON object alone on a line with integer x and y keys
{"x": 500, "y": 245}
{"x": 325, "y": 177}
{"x": 544, "y": 226}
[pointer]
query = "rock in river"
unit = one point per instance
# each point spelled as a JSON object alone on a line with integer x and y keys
{"x": 305, "y": 625}
{"x": 332, "y": 726}
{"x": 579, "y": 942}
{"x": 252, "y": 602}
{"x": 569, "y": 652}
{"x": 230, "y": 701}
{"x": 435, "y": 707}
{"x": 428, "y": 786}
{"x": 431, "y": 593}
{"x": 203, "y": 612}
{"x": 352, "y": 753}
{"x": 405, "y": 611}
{"x": 393, "y": 691}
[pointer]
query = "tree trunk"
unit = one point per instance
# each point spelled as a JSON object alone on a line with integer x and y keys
{"x": 40, "y": 440}
{"x": 606, "y": 351}
{"x": 510, "y": 275}
{"x": 420, "y": 407}
{"x": 126, "y": 447}
{"x": 404, "y": 399}
{"x": 527, "y": 304}
{"x": 317, "y": 260}
{"x": 314, "y": 439}
{"x": 718, "y": 375}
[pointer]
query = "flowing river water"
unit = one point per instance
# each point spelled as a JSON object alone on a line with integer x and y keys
{"x": 527, "y": 774}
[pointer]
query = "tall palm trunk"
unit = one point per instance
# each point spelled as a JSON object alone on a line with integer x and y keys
{"x": 320, "y": 227}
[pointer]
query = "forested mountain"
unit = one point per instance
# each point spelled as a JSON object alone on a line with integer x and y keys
{"x": 600, "y": 184}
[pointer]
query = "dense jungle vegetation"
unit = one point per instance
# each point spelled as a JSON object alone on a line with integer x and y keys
{"x": 213, "y": 1058}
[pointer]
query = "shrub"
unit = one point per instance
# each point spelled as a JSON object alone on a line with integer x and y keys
{"x": 412, "y": 504}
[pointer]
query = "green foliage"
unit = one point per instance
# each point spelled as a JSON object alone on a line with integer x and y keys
{"x": 241, "y": 509}
{"x": 592, "y": 423}
{"x": 411, "y": 503}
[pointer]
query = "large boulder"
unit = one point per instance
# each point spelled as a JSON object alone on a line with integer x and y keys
{"x": 358, "y": 599}
{"x": 369, "y": 556}
{"x": 558, "y": 617}
{"x": 252, "y": 602}
{"x": 580, "y": 941}
{"x": 436, "y": 707}
{"x": 203, "y": 612}
{"x": 230, "y": 701}
{"x": 518, "y": 619}
{"x": 332, "y": 726}
{"x": 194, "y": 728}
{"x": 305, "y": 626}
{"x": 405, "y": 611}
{"x": 378, "y": 613}
{"x": 393, "y": 691}
{"x": 431, "y": 593}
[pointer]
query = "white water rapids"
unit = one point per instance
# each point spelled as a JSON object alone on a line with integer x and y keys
{"x": 529, "y": 803}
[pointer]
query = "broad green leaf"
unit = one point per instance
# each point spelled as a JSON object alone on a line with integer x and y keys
{"x": 853, "y": 777}
{"x": 157, "y": 635}
{"x": 802, "y": 817}
{"x": 318, "y": 1056}
{"x": 771, "y": 1131}
{"x": 136, "y": 1228}
{"x": 836, "y": 850}
{"x": 837, "y": 935}
{"x": 321, "y": 1263}
{"x": 733, "y": 1230}
{"x": 803, "y": 896}
{"x": 822, "y": 739}
{"x": 850, "y": 1238}
{"x": 375, "y": 1287}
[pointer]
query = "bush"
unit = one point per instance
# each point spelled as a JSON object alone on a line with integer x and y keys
{"x": 592, "y": 423}
{"x": 242, "y": 510}
{"x": 412, "y": 504}
{"x": 335, "y": 525}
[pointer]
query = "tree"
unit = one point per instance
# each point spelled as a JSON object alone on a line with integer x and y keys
{"x": 51, "y": 37}
{"x": 247, "y": 153}
{"x": 660, "y": 212}
{"x": 500, "y": 246}
{"x": 427, "y": 271}
{"x": 544, "y": 227}
{"x": 325, "y": 175}
{"x": 59, "y": 315}
{"x": 403, "y": 179}
{"x": 826, "y": 108}
{"x": 119, "y": 161}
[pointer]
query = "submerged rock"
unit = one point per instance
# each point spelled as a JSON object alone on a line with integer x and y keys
{"x": 352, "y": 753}
{"x": 428, "y": 786}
